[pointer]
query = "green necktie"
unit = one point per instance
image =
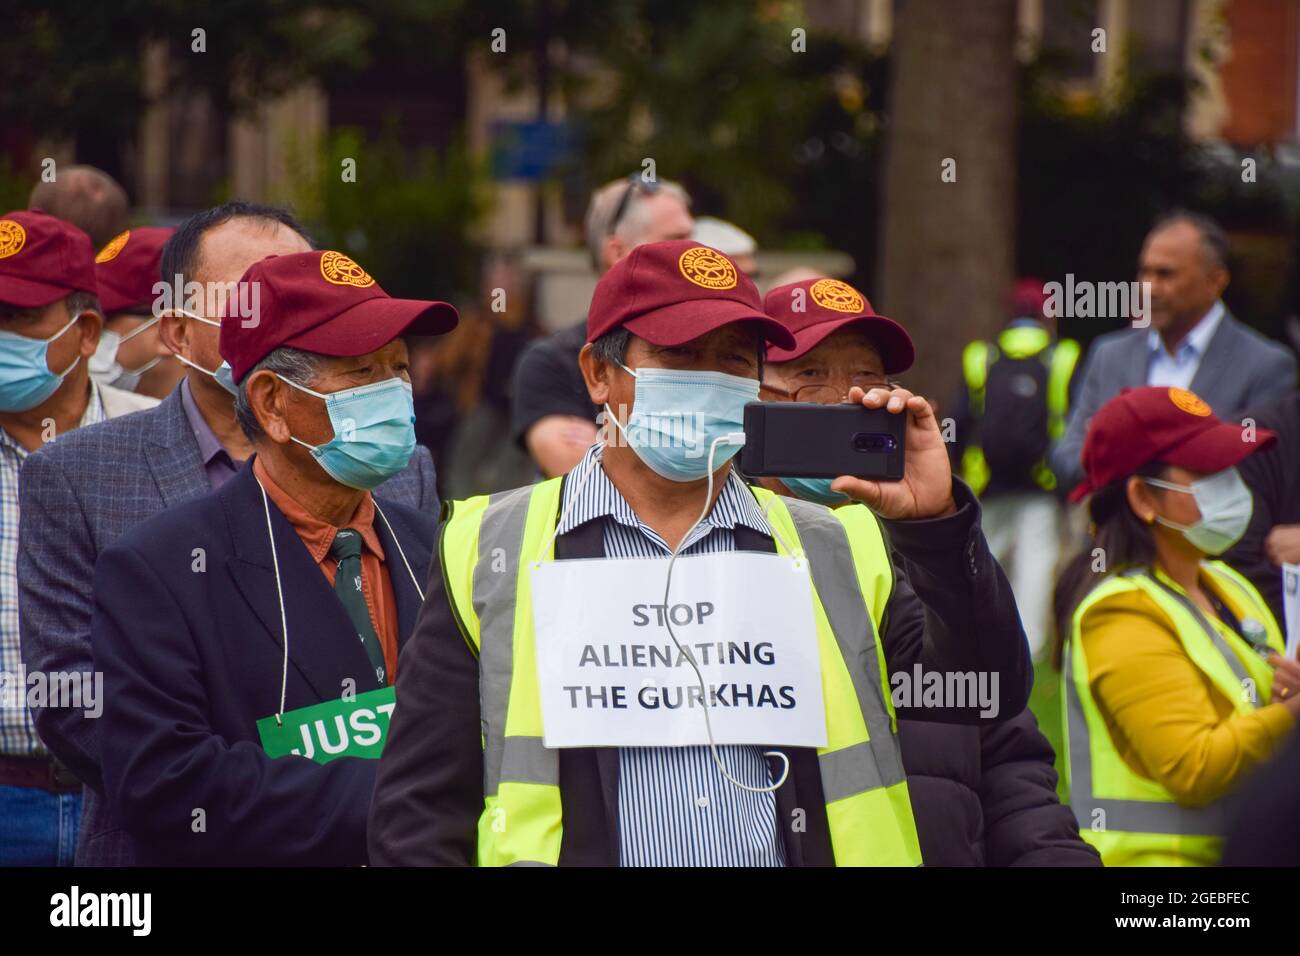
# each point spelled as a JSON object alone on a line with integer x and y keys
{"x": 346, "y": 548}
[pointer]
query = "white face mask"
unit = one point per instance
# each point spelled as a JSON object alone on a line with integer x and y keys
{"x": 1225, "y": 504}
{"x": 104, "y": 367}
{"x": 222, "y": 373}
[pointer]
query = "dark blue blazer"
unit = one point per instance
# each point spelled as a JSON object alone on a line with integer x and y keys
{"x": 189, "y": 642}
{"x": 78, "y": 495}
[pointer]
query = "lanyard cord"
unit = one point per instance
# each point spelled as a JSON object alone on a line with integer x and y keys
{"x": 418, "y": 590}
{"x": 279, "y": 593}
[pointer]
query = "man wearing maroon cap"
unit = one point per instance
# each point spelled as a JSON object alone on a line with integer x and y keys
{"x": 1173, "y": 680}
{"x": 675, "y": 347}
{"x": 296, "y": 589}
{"x": 982, "y": 796}
{"x": 552, "y": 417}
{"x": 131, "y": 354}
{"x": 50, "y": 323}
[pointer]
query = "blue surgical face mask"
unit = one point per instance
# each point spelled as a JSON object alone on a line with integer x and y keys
{"x": 815, "y": 489}
{"x": 374, "y": 432}
{"x": 223, "y": 374}
{"x": 677, "y": 415}
{"x": 25, "y": 376}
{"x": 1225, "y": 504}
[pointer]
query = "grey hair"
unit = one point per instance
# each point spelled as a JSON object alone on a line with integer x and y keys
{"x": 605, "y": 201}
{"x": 612, "y": 346}
{"x": 78, "y": 302}
{"x": 294, "y": 364}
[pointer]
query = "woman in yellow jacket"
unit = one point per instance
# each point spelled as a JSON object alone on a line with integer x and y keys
{"x": 1173, "y": 685}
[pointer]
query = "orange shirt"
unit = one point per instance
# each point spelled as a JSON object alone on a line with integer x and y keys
{"x": 318, "y": 535}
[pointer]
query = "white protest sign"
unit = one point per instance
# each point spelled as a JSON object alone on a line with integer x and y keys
{"x": 1291, "y": 606}
{"x": 611, "y": 676}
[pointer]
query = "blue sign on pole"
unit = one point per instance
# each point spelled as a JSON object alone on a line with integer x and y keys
{"x": 528, "y": 150}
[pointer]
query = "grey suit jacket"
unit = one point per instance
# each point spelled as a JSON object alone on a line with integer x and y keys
{"x": 78, "y": 496}
{"x": 1240, "y": 369}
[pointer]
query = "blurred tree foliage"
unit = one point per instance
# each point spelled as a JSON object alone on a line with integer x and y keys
{"x": 405, "y": 218}
{"x": 787, "y": 144}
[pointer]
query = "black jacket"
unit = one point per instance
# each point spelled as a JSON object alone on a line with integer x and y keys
{"x": 429, "y": 787}
{"x": 192, "y": 657}
{"x": 986, "y": 796}
{"x": 1273, "y": 474}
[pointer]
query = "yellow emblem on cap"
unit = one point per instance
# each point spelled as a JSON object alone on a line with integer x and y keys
{"x": 337, "y": 268}
{"x": 115, "y": 245}
{"x": 1189, "y": 402}
{"x": 837, "y": 296}
{"x": 707, "y": 268}
{"x": 12, "y": 237}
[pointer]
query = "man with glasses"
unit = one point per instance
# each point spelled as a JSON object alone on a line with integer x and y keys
{"x": 472, "y": 772}
{"x": 552, "y": 417}
{"x": 981, "y": 795}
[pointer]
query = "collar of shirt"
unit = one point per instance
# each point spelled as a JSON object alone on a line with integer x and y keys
{"x": 599, "y": 498}
{"x": 1196, "y": 341}
{"x": 93, "y": 415}
{"x": 210, "y": 445}
{"x": 316, "y": 534}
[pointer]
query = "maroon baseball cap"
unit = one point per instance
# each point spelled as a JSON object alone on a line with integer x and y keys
{"x": 319, "y": 302}
{"x": 126, "y": 269}
{"x": 43, "y": 259}
{"x": 814, "y": 308}
{"x": 669, "y": 293}
{"x": 1152, "y": 423}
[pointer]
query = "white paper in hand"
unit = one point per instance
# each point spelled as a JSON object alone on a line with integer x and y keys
{"x": 1291, "y": 607}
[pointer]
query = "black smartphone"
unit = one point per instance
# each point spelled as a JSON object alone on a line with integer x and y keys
{"x": 807, "y": 440}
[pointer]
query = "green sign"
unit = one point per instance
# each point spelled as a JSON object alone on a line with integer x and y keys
{"x": 335, "y": 728}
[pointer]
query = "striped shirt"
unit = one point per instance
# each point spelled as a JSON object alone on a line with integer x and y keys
{"x": 17, "y": 732}
{"x": 674, "y": 807}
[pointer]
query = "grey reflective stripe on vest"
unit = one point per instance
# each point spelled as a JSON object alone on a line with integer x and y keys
{"x": 1212, "y": 632}
{"x": 879, "y": 762}
{"x": 520, "y": 759}
{"x": 1127, "y": 816}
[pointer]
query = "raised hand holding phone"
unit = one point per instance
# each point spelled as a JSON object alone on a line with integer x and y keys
{"x": 925, "y": 490}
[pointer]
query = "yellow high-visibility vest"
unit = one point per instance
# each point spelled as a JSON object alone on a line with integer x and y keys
{"x": 1131, "y": 819}
{"x": 1018, "y": 343}
{"x": 487, "y": 546}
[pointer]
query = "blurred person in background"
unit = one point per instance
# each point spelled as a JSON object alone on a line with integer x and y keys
{"x": 1173, "y": 686}
{"x": 729, "y": 238}
{"x": 1273, "y": 476}
{"x": 50, "y": 322}
{"x": 471, "y": 367}
{"x": 88, "y": 198}
{"x": 981, "y": 795}
{"x": 1011, "y": 411}
{"x": 553, "y": 418}
{"x": 131, "y": 353}
{"x": 1193, "y": 341}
